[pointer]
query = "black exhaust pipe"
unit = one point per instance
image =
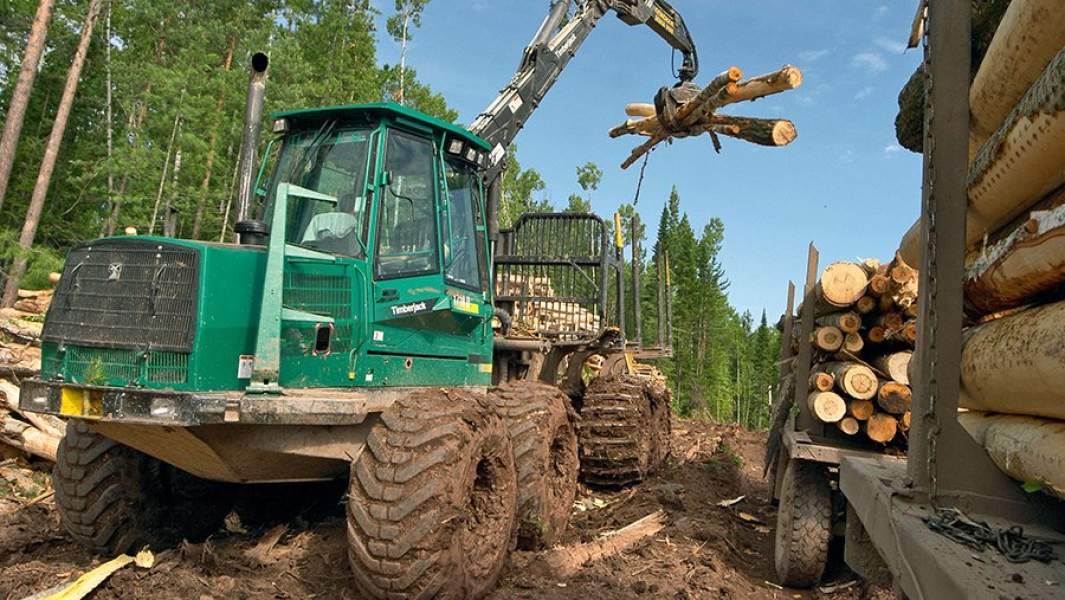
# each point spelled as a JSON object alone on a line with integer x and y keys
{"x": 251, "y": 232}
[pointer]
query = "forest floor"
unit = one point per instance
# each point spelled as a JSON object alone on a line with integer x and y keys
{"x": 706, "y": 550}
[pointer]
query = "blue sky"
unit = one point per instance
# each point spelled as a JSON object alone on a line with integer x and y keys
{"x": 844, "y": 183}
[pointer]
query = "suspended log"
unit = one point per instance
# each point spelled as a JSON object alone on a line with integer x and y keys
{"x": 841, "y": 285}
{"x": 895, "y": 365}
{"x": 828, "y": 339}
{"x": 848, "y": 425}
{"x": 1013, "y": 365}
{"x": 640, "y": 109}
{"x": 827, "y": 407}
{"x": 881, "y": 428}
{"x": 1025, "y": 448}
{"x": 861, "y": 410}
{"x": 853, "y": 343}
{"x": 787, "y": 78}
{"x": 853, "y": 379}
{"x": 1027, "y": 264}
{"x": 1017, "y": 166}
{"x": 764, "y": 132}
{"x": 866, "y": 304}
{"x": 1030, "y": 34}
{"x": 845, "y": 321}
{"x": 821, "y": 381}
{"x": 894, "y": 397}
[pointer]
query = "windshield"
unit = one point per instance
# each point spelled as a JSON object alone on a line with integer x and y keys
{"x": 331, "y": 162}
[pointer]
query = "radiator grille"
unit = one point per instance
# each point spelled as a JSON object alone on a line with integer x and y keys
{"x": 131, "y": 294}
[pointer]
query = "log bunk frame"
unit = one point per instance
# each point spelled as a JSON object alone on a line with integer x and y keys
{"x": 888, "y": 498}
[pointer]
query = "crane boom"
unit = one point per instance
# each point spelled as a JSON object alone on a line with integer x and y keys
{"x": 548, "y": 54}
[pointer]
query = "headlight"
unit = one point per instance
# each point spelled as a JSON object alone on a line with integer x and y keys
{"x": 280, "y": 126}
{"x": 454, "y": 146}
{"x": 164, "y": 407}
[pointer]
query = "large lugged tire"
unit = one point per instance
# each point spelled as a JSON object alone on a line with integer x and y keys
{"x": 431, "y": 503}
{"x": 114, "y": 499}
{"x": 804, "y": 525}
{"x": 624, "y": 430}
{"x": 540, "y": 420}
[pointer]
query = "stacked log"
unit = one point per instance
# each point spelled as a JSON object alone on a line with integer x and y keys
{"x": 534, "y": 316}
{"x": 862, "y": 344}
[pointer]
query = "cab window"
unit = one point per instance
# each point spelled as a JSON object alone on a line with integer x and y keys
{"x": 406, "y": 222}
{"x": 463, "y": 251}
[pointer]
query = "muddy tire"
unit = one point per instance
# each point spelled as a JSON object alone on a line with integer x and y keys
{"x": 804, "y": 525}
{"x": 540, "y": 420}
{"x": 432, "y": 499}
{"x": 113, "y": 499}
{"x": 624, "y": 431}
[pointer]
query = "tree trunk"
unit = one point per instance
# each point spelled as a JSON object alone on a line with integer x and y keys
{"x": 110, "y": 117}
{"x": 881, "y": 428}
{"x": 20, "y": 98}
{"x": 827, "y": 407}
{"x": 1017, "y": 166}
{"x": 1029, "y": 35}
{"x": 1027, "y": 264}
{"x": 848, "y": 425}
{"x": 51, "y": 153}
{"x": 1012, "y": 365}
{"x": 166, "y": 169}
{"x": 841, "y": 285}
{"x": 845, "y": 321}
{"x": 894, "y": 397}
{"x": 895, "y": 365}
{"x": 764, "y": 132}
{"x": 1025, "y": 448}
{"x": 855, "y": 380}
{"x": 212, "y": 140}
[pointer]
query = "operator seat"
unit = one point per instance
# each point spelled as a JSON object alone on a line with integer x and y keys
{"x": 334, "y": 232}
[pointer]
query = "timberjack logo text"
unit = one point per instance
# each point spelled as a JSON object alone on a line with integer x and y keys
{"x": 406, "y": 309}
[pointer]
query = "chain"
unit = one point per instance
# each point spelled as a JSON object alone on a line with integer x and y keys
{"x": 639, "y": 184}
{"x": 932, "y": 357}
{"x": 1011, "y": 543}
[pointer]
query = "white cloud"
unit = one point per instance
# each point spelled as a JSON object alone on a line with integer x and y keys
{"x": 892, "y": 149}
{"x": 809, "y": 56}
{"x": 890, "y": 45}
{"x": 871, "y": 61}
{"x": 864, "y": 92}
{"x": 880, "y": 12}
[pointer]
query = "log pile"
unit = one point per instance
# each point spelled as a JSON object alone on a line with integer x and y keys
{"x": 862, "y": 342}
{"x": 20, "y": 356}
{"x": 544, "y": 316}
{"x": 698, "y": 115}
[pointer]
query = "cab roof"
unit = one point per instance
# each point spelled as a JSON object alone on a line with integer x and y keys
{"x": 380, "y": 109}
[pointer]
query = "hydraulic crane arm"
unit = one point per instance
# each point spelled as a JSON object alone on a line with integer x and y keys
{"x": 548, "y": 54}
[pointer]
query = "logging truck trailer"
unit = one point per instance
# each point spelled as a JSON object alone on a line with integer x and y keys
{"x": 349, "y": 334}
{"x": 917, "y": 522}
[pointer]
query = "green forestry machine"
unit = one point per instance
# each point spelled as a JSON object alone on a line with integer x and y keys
{"x": 372, "y": 325}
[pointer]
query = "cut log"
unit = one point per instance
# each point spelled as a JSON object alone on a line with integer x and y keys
{"x": 894, "y": 397}
{"x": 1027, "y": 264}
{"x": 904, "y": 421}
{"x": 841, "y": 285}
{"x": 764, "y": 132}
{"x": 906, "y": 334}
{"x": 881, "y": 428}
{"x": 853, "y": 379}
{"x": 866, "y": 304}
{"x": 821, "y": 382}
{"x": 861, "y": 410}
{"x": 1025, "y": 448}
{"x": 1030, "y": 34}
{"x": 871, "y": 266}
{"x": 895, "y": 365}
{"x": 1017, "y": 166}
{"x": 890, "y": 321}
{"x": 845, "y": 321}
{"x": 876, "y": 334}
{"x": 828, "y": 339}
{"x": 886, "y": 303}
{"x": 848, "y": 425}
{"x": 48, "y": 424}
{"x": 28, "y": 438}
{"x": 787, "y": 78}
{"x": 1013, "y": 365}
{"x": 853, "y": 343}
{"x": 878, "y": 285}
{"x": 827, "y": 407}
{"x": 566, "y": 561}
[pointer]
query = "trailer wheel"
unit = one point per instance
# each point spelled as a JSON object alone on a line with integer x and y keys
{"x": 112, "y": 498}
{"x": 432, "y": 497}
{"x": 541, "y": 420}
{"x": 624, "y": 430}
{"x": 804, "y": 525}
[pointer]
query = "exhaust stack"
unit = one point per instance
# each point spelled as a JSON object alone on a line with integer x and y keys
{"x": 253, "y": 118}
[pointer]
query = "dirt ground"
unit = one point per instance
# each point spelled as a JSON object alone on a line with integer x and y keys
{"x": 706, "y": 551}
